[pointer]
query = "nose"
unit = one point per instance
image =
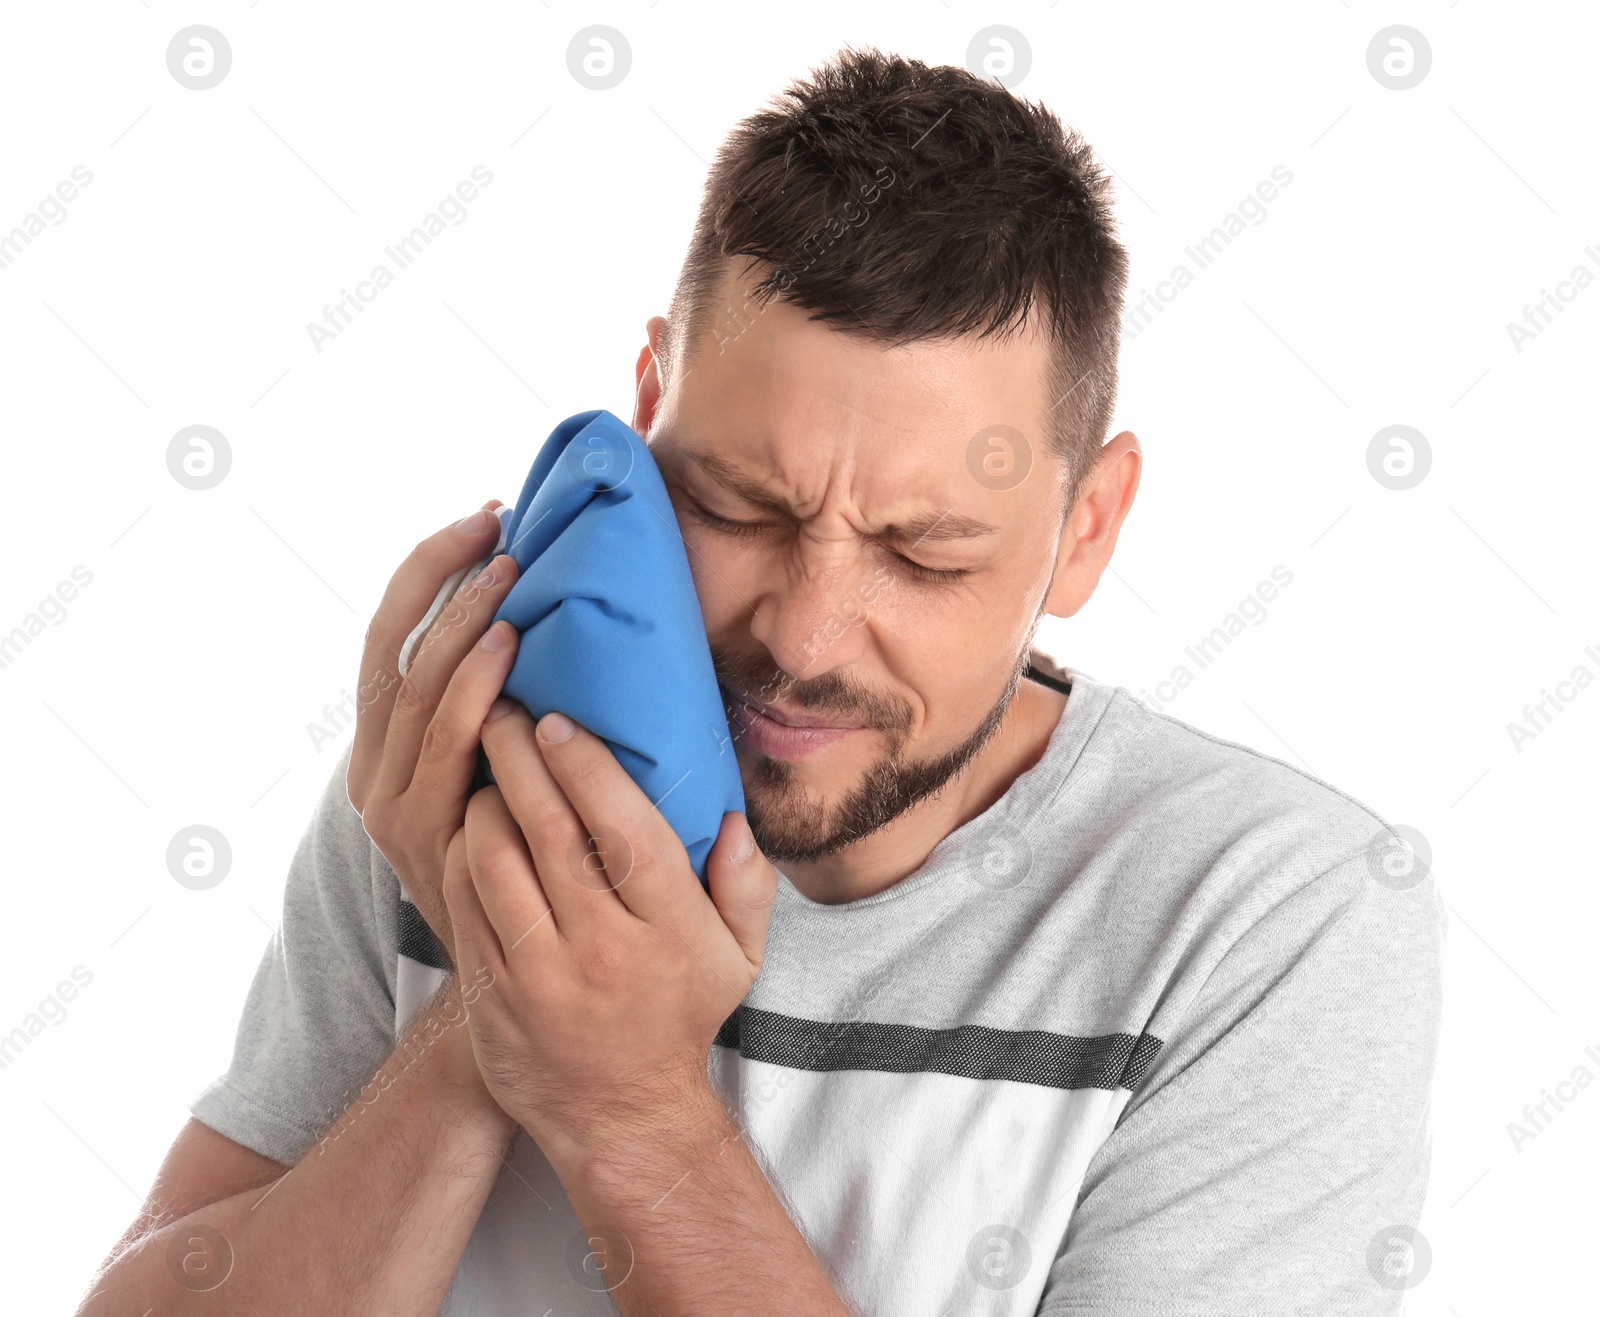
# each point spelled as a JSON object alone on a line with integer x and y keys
{"x": 810, "y": 615}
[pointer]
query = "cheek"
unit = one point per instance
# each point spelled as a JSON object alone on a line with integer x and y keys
{"x": 697, "y": 545}
{"x": 952, "y": 639}
{"x": 721, "y": 574}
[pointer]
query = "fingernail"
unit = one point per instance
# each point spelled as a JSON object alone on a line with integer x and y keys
{"x": 497, "y": 637}
{"x": 745, "y": 847}
{"x": 485, "y": 577}
{"x": 499, "y": 709}
{"x": 475, "y": 522}
{"x": 556, "y": 728}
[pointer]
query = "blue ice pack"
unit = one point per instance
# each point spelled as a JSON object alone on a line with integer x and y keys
{"x": 612, "y": 633}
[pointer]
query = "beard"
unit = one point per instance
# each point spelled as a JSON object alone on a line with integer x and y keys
{"x": 791, "y": 823}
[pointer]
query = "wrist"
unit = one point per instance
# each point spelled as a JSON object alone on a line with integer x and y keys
{"x": 623, "y": 1160}
{"x": 484, "y": 1124}
{"x": 440, "y": 1037}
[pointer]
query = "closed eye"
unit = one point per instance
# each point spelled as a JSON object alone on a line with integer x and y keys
{"x": 726, "y": 527}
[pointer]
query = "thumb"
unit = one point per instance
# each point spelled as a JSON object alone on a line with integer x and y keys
{"x": 743, "y": 891}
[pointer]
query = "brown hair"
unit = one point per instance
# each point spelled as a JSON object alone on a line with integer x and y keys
{"x": 905, "y": 202}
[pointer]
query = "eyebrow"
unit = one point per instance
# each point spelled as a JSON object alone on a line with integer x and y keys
{"x": 923, "y": 525}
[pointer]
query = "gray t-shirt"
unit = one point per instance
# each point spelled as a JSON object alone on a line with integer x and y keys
{"x": 1154, "y": 1034}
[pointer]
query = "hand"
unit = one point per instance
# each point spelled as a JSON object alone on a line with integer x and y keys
{"x": 612, "y": 967}
{"x": 416, "y": 741}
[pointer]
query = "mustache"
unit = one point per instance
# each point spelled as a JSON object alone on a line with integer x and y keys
{"x": 825, "y": 697}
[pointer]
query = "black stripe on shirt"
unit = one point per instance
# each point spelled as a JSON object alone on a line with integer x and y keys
{"x": 417, "y": 941}
{"x": 1045, "y": 679}
{"x": 976, "y": 1051}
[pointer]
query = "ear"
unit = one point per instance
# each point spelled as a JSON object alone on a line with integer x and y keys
{"x": 647, "y": 377}
{"x": 1090, "y": 534}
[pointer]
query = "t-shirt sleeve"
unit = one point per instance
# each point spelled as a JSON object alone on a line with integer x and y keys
{"x": 319, "y": 1017}
{"x": 1277, "y": 1156}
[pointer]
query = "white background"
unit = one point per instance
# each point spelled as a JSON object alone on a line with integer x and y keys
{"x": 179, "y": 686}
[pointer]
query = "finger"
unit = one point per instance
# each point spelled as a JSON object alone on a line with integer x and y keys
{"x": 476, "y": 944}
{"x": 573, "y": 871}
{"x": 645, "y": 861}
{"x": 459, "y": 627}
{"x": 448, "y": 756}
{"x": 742, "y": 890}
{"x": 503, "y": 877}
{"x": 411, "y": 589}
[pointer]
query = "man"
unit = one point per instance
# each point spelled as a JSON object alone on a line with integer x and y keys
{"x": 1051, "y": 1003}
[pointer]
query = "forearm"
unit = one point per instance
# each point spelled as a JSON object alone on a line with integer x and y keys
{"x": 688, "y": 1223}
{"x": 373, "y": 1219}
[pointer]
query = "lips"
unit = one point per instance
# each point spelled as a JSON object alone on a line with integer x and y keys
{"x": 796, "y": 719}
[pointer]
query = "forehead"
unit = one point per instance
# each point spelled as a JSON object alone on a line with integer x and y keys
{"x": 801, "y": 404}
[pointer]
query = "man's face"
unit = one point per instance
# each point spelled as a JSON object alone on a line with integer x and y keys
{"x": 815, "y": 606}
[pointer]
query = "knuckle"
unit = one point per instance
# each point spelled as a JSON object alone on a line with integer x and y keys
{"x": 379, "y": 646}
{"x": 485, "y": 808}
{"x": 610, "y": 852}
{"x": 438, "y": 743}
{"x": 555, "y": 833}
{"x": 583, "y": 769}
{"x": 453, "y": 615}
{"x": 410, "y": 697}
{"x": 626, "y": 862}
{"x": 481, "y": 817}
{"x": 605, "y": 960}
{"x": 500, "y": 860}
{"x": 496, "y": 736}
{"x": 379, "y": 680}
{"x": 469, "y": 594}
